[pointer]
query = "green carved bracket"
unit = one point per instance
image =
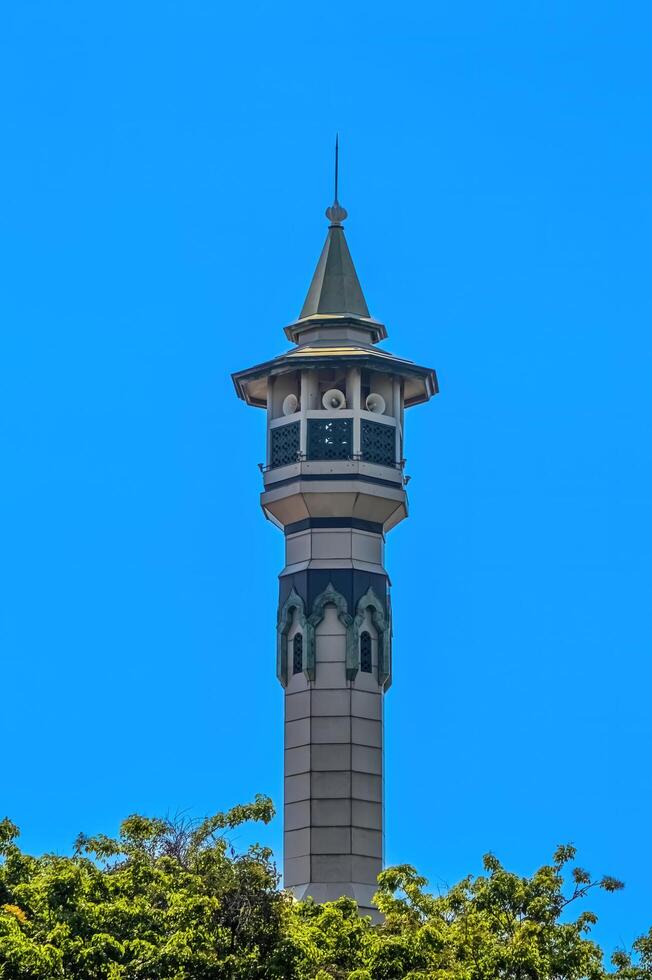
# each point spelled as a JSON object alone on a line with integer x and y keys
{"x": 285, "y": 613}
{"x": 382, "y": 624}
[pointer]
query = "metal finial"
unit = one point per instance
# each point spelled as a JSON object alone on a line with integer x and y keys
{"x": 335, "y": 213}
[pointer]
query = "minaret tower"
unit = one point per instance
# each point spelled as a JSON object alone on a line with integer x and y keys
{"x": 333, "y": 483}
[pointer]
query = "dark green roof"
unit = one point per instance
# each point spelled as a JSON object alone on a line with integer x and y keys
{"x": 335, "y": 287}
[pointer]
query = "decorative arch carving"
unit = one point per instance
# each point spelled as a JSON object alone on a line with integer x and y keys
{"x": 330, "y": 596}
{"x": 285, "y": 616}
{"x": 353, "y": 626}
{"x": 382, "y": 624}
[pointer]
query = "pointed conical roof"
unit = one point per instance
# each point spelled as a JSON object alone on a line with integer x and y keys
{"x": 335, "y": 304}
{"x": 335, "y": 287}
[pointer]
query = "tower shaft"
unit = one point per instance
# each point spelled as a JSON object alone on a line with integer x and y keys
{"x": 334, "y": 651}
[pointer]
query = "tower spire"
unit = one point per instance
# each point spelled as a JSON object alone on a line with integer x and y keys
{"x": 335, "y": 288}
{"x": 336, "y": 214}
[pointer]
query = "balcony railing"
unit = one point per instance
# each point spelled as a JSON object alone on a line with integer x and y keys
{"x": 332, "y": 439}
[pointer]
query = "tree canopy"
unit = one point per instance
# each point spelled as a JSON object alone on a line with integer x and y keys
{"x": 172, "y": 899}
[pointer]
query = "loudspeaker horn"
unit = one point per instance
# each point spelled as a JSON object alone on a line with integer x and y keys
{"x": 290, "y": 404}
{"x": 375, "y": 403}
{"x": 334, "y": 398}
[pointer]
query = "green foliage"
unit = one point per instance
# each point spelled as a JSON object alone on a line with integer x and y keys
{"x": 171, "y": 899}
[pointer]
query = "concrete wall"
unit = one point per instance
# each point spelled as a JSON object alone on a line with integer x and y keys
{"x": 334, "y": 765}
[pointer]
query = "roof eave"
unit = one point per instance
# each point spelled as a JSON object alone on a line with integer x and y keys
{"x": 431, "y": 388}
{"x": 281, "y": 365}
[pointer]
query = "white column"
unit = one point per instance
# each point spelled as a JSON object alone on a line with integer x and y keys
{"x": 270, "y": 416}
{"x": 397, "y": 412}
{"x": 353, "y": 401}
{"x": 309, "y": 402}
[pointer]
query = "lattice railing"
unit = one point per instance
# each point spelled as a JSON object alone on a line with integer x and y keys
{"x": 378, "y": 443}
{"x": 285, "y": 443}
{"x": 330, "y": 439}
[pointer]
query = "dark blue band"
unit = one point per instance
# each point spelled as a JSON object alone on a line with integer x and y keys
{"x": 335, "y": 522}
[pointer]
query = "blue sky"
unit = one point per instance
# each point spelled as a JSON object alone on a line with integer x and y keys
{"x": 164, "y": 173}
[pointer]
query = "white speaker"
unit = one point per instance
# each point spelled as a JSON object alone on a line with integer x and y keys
{"x": 290, "y": 404}
{"x": 375, "y": 403}
{"x": 334, "y": 398}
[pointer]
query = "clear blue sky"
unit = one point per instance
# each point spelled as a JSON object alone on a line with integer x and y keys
{"x": 164, "y": 172}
